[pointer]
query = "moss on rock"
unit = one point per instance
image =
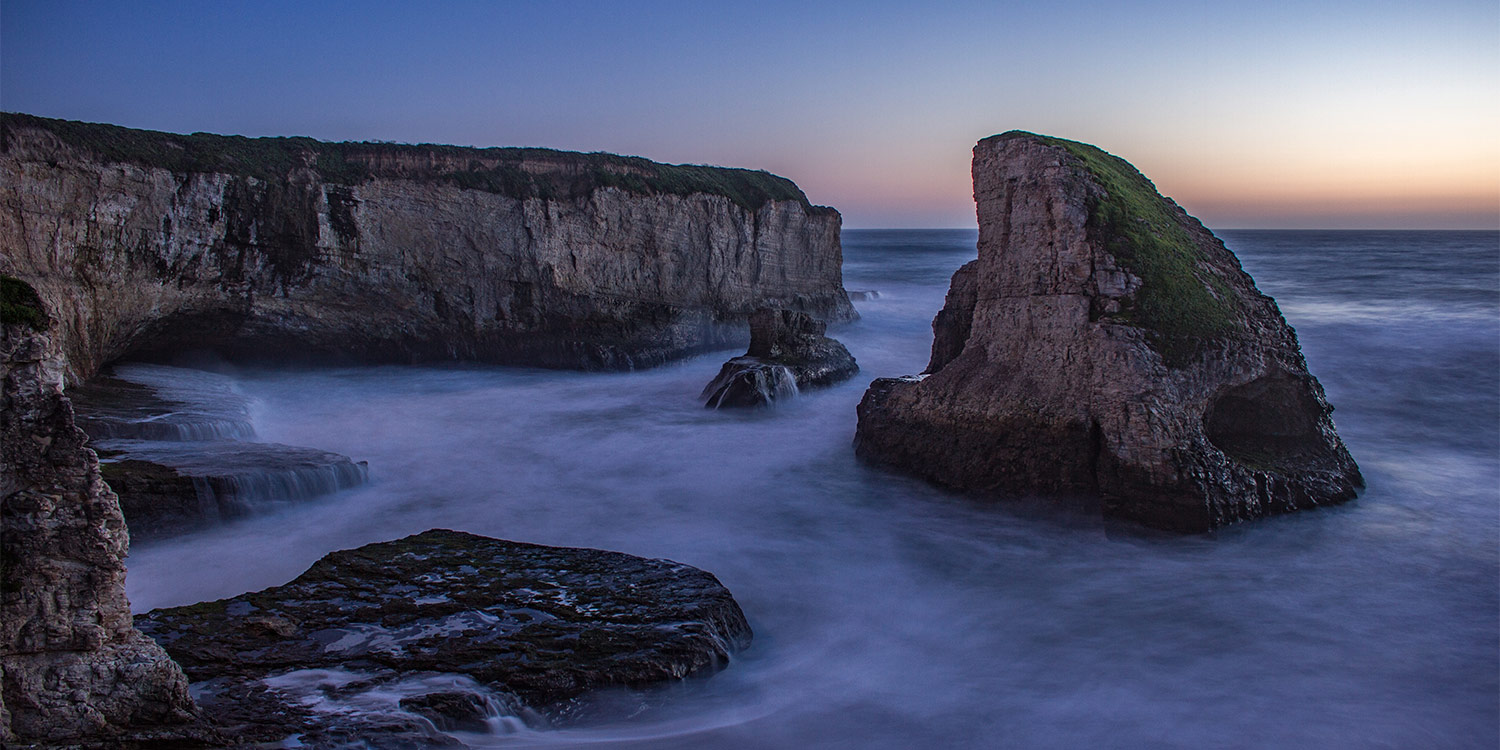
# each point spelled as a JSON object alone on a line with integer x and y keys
{"x": 1177, "y": 304}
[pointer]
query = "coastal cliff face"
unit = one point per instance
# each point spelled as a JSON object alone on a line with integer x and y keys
{"x": 72, "y": 666}
{"x": 1106, "y": 343}
{"x": 145, "y": 242}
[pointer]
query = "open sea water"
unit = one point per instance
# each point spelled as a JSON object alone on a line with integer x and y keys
{"x": 889, "y": 614}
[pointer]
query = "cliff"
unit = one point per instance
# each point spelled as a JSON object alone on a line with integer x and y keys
{"x": 72, "y": 667}
{"x": 144, "y": 242}
{"x": 1106, "y": 343}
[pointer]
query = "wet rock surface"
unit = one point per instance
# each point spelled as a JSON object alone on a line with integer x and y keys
{"x": 1106, "y": 344}
{"x": 176, "y": 446}
{"x": 514, "y": 626}
{"x": 168, "y": 488}
{"x": 788, "y": 351}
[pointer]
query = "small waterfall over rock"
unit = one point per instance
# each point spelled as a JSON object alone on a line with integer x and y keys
{"x": 747, "y": 381}
{"x": 156, "y": 402}
{"x": 787, "y": 350}
{"x": 179, "y": 449}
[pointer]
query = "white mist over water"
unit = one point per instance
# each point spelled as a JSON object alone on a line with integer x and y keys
{"x": 890, "y": 614}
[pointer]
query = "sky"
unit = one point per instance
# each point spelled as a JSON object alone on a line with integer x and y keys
{"x": 1367, "y": 114}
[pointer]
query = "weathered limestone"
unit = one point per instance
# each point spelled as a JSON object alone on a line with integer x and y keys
{"x": 144, "y": 242}
{"x": 1106, "y": 343}
{"x": 72, "y": 667}
{"x": 788, "y": 351}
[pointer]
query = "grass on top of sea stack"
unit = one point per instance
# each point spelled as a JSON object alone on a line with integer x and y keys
{"x": 1179, "y": 306}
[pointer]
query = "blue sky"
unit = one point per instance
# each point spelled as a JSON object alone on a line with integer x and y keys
{"x": 1339, "y": 114}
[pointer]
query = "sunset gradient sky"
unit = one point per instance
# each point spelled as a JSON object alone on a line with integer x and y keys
{"x": 1364, "y": 114}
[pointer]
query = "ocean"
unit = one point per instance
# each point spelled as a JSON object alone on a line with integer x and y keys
{"x": 890, "y": 614}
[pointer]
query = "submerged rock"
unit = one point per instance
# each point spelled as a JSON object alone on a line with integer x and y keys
{"x": 788, "y": 351}
{"x": 1106, "y": 343}
{"x": 509, "y": 623}
{"x": 73, "y": 669}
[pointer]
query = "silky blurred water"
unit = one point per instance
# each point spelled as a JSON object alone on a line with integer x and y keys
{"x": 891, "y": 615}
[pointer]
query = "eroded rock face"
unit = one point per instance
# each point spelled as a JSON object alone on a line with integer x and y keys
{"x": 788, "y": 351}
{"x": 1106, "y": 343}
{"x": 73, "y": 669}
{"x": 145, "y": 242}
{"x": 518, "y": 624}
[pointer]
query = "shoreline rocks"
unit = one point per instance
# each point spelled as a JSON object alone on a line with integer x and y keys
{"x": 788, "y": 351}
{"x": 1106, "y": 343}
{"x": 510, "y": 628}
{"x": 178, "y": 448}
{"x": 73, "y": 669}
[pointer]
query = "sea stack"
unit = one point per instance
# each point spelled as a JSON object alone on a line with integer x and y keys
{"x": 1105, "y": 343}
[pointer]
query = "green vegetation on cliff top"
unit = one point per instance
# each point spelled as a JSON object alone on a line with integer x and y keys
{"x": 20, "y": 305}
{"x": 1179, "y": 303}
{"x": 494, "y": 170}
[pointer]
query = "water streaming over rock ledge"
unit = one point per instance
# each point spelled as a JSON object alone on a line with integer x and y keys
{"x": 179, "y": 448}
{"x": 889, "y": 614}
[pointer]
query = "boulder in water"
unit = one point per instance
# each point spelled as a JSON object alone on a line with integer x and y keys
{"x": 1105, "y": 343}
{"x": 788, "y": 350}
{"x": 501, "y": 621}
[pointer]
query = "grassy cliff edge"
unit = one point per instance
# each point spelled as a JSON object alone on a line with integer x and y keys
{"x": 494, "y": 170}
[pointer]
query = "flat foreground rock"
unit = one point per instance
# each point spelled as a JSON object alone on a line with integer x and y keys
{"x": 444, "y": 619}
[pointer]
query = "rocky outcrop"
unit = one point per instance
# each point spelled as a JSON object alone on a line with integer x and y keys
{"x": 514, "y": 626}
{"x": 788, "y": 351}
{"x": 72, "y": 667}
{"x": 178, "y": 448}
{"x": 169, "y": 488}
{"x": 1105, "y": 343}
{"x": 145, "y": 242}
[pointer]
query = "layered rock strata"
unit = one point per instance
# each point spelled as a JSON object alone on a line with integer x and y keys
{"x": 145, "y": 242}
{"x": 1106, "y": 343}
{"x": 73, "y": 669}
{"x": 788, "y": 351}
{"x": 508, "y": 628}
{"x": 178, "y": 448}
